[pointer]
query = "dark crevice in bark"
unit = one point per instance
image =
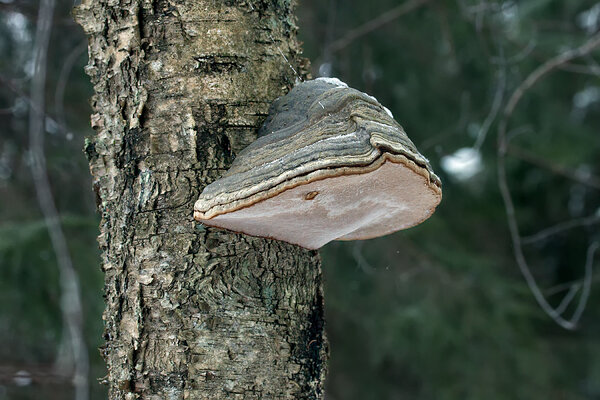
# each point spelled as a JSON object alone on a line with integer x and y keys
{"x": 211, "y": 64}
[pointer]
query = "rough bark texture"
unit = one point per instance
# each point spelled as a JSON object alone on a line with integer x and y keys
{"x": 193, "y": 312}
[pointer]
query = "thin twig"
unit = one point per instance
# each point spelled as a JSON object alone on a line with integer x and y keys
{"x": 520, "y": 130}
{"x": 464, "y": 116}
{"x": 361, "y": 262}
{"x": 326, "y": 56}
{"x": 587, "y": 282}
{"x": 561, "y": 227}
{"x": 581, "y": 69}
{"x": 520, "y": 56}
{"x": 567, "y": 299}
{"x": 69, "y": 282}
{"x": 497, "y": 101}
{"x": 375, "y": 23}
{"x": 15, "y": 89}
{"x": 496, "y": 104}
{"x": 63, "y": 79}
{"x": 513, "y": 226}
{"x": 527, "y": 156}
{"x": 567, "y": 285}
{"x": 548, "y": 66}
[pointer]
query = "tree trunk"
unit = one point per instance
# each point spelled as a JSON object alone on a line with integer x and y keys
{"x": 194, "y": 312}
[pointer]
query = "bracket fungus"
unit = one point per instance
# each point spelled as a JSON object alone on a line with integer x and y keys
{"x": 330, "y": 163}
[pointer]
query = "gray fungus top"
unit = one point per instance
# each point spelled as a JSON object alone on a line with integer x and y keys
{"x": 330, "y": 163}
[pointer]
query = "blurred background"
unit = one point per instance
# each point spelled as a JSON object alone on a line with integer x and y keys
{"x": 476, "y": 303}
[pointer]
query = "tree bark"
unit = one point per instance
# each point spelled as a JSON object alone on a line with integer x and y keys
{"x": 194, "y": 312}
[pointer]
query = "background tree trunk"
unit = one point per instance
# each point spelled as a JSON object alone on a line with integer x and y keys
{"x": 194, "y": 312}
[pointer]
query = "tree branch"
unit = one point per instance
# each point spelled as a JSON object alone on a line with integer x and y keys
{"x": 513, "y": 226}
{"x": 527, "y": 156}
{"x": 69, "y": 282}
{"x": 374, "y": 24}
{"x": 548, "y": 66}
{"x": 561, "y": 227}
{"x": 63, "y": 79}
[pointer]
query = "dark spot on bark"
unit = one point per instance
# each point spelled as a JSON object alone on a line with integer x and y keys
{"x": 218, "y": 113}
{"x": 315, "y": 336}
{"x": 139, "y": 386}
{"x": 98, "y": 198}
{"x": 212, "y": 322}
{"x": 212, "y": 244}
{"x": 203, "y": 306}
{"x": 225, "y": 144}
{"x": 125, "y": 385}
{"x": 209, "y": 375}
{"x": 220, "y": 64}
{"x": 308, "y": 351}
{"x": 162, "y": 8}
{"x": 159, "y": 380}
{"x": 104, "y": 348}
{"x": 141, "y": 22}
{"x": 211, "y": 117}
{"x": 89, "y": 148}
{"x": 130, "y": 149}
{"x": 196, "y": 244}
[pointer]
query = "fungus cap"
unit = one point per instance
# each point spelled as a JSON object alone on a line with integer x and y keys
{"x": 330, "y": 163}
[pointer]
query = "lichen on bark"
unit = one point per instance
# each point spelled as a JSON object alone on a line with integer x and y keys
{"x": 192, "y": 312}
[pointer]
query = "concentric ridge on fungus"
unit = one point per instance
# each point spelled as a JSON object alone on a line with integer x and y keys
{"x": 320, "y": 129}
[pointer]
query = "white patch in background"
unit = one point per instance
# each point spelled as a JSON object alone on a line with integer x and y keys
{"x": 20, "y": 107}
{"x": 29, "y": 68}
{"x": 582, "y": 101}
{"x": 22, "y": 378}
{"x": 17, "y": 23}
{"x": 510, "y": 11}
{"x": 463, "y": 164}
{"x": 371, "y": 74}
{"x": 51, "y": 126}
{"x": 584, "y": 98}
{"x": 325, "y": 69}
{"x": 589, "y": 20}
{"x": 509, "y": 15}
